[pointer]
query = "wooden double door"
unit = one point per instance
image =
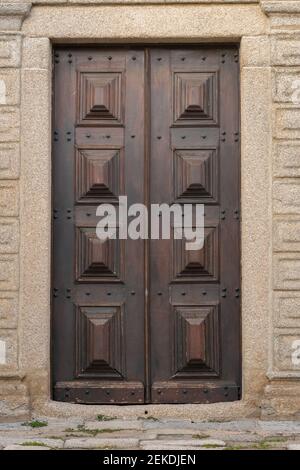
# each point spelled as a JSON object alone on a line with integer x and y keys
{"x": 145, "y": 321}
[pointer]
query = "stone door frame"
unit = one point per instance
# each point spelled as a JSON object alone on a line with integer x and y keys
{"x": 28, "y": 337}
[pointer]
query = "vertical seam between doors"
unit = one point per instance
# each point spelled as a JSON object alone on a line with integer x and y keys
{"x": 147, "y": 153}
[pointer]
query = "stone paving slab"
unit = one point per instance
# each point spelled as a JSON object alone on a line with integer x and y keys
{"x": 278, "y": 427}
{"x": 226, "y": 435}
{"x": 249, "y": 425}
{"x": 187, "y": 442}
{"x": 149, "y": 433}
{"x": 99, "y": 443}
{"x": 178, "y": 430}
{"x": 54, "y": 423}
{"x": 18, "y": 447}
{"x": 115, "y": 424}
{"x": 48, "y": 442}
{"x": 175, "y": 447}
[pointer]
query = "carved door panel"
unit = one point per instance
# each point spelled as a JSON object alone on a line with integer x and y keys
{"x": 195, "y": 159}
{"x": 139, "y": 321}
{"x": 98, "y": 300}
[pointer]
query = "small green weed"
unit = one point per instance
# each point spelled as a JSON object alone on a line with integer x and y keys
{"x": 33, "y": 444}
{"x": 105, "y": 418}
{"x": 35, "y": 424}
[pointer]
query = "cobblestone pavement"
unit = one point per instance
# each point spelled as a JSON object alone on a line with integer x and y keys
{"x": 149, "y": 434}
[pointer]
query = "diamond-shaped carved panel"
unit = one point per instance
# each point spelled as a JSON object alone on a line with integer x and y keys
{"x": 197, "y": 344}
{"x": 197, "y": 265}
{"x": 195, "y": 98}
{"x": 97, "y": 175}
{"x": 100, "y": 98}
{"x": 99, "y": 343}
{"x": 98, "y": 260}
{"x": 196, "y": 176}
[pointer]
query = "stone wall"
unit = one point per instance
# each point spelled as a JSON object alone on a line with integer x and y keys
{"x": 269, "y": 32}
{"x": 13, "y": 393}
{"x": 282, "y": 394}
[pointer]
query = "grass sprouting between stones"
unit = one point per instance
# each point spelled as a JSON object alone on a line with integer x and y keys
{"x": 33, "y": 444}
{"x": 105, "y": 418}
{"x": 81, "y": 429}
{"x": 35, "y": 423}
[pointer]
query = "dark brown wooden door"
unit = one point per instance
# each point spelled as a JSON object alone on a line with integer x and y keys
{"x": 139, "y": 321}
{"x": 195, "y": 159}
